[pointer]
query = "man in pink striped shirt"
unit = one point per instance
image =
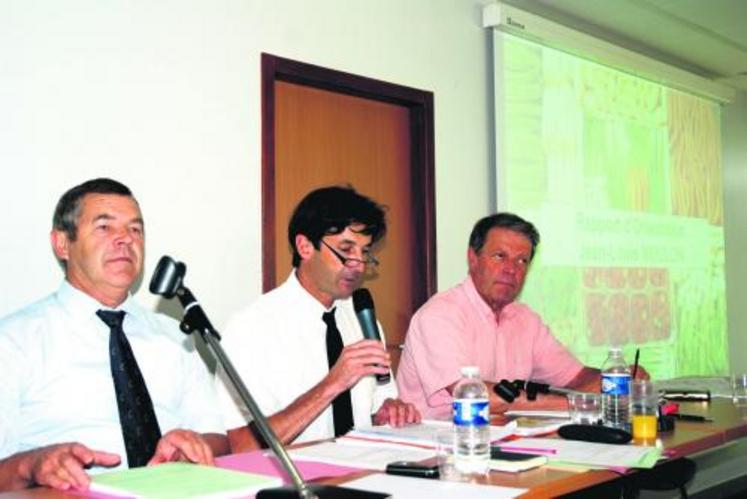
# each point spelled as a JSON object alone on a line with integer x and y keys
{"x": 479, "y": 323}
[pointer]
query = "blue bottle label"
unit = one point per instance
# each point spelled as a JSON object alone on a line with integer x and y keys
{"x": 471, "y": 412}
{"x": 616, "y": 384}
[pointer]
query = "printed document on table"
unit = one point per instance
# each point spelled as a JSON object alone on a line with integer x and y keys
{"x": 533, "y": 427}
{"x": 400, "y": 486}
{"x": 359, "y": 456}
{"x": 539, "y": 414}
{"x": 422, "y": 434}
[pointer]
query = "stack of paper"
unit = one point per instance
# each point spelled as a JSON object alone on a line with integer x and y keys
{"x": 539, "y": 413}
{"x": 180, "y": 480}
{"x": 514, "y": 462}
{"x": 265, "y": 463}
{"x": 362, "y": 454}
{"x": 533, "y": 426}
{"x": 419, "y": 435}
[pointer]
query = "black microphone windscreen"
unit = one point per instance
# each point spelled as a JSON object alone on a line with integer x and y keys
{"x": 167, "y": 277}
{"x": 364, "y": 310}
{"x": 362, "y": 300}
{"x": 594, "y": 433}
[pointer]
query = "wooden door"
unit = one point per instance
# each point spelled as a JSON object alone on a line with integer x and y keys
{"x": 322, "y": 136}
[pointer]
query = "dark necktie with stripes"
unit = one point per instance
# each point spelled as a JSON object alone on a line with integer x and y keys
{"x": 136, "y": 415}
{"x": 342, "y": 408}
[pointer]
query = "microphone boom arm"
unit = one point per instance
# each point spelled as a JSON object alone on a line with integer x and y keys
{"x": 196, "y": 320}
{"x": 168, "y": 281}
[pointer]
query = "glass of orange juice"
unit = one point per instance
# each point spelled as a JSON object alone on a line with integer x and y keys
{"x": 644, "y": 405}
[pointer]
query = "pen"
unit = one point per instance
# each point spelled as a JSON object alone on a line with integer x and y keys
{"x": 692, "y": 417}
{"x": 635, "y": 363}
{"x": 528, "y": 450}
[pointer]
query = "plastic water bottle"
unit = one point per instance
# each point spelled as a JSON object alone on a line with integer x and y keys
{"x": 471, "y": 423}
{"x": 616, "y": 390}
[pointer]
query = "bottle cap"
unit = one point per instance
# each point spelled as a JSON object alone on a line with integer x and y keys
{"x": 470, "y": 371}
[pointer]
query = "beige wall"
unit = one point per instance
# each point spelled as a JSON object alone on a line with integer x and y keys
{"x": 165, "y": 96}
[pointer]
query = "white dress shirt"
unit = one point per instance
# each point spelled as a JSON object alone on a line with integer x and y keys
{"x": 278, "y": 346}
{"x": 56, "y": 381}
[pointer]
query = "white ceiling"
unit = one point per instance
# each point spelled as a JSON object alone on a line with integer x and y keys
{"x": 707, "y": 37}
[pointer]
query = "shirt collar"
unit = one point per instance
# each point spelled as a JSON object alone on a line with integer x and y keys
{"x": 84, "y": 306}
{"x": 483, "y": 308}
{"x": 305, "y": 299}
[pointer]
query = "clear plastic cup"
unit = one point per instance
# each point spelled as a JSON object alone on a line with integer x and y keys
{"x": 584, "y": 408}
{"x": 644, "y": 407}
{"x": 445, "y": 446}
{"x": 739, "y": 389}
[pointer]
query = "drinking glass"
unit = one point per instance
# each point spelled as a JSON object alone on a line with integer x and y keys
{"x": 584, "y": 408}
{"x": 739, "y": 389}
{"x": 644, "y": 407}
{"x": 445, "y": 446}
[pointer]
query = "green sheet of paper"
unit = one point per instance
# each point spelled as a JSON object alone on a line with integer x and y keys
{"x": 591, "y": 454}
{"x": 181, "y": 480}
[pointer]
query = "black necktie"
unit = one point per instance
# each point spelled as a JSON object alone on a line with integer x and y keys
{"x": 342, "y": 408}
{"x": 136, "y": 415}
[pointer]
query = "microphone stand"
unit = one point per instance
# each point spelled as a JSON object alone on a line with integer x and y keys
{"x": 196, "y": 320}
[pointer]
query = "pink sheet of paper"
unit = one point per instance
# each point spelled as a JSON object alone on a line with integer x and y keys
{"x": 260, "y": 462}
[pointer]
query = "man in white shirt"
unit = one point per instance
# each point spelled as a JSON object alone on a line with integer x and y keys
{"x": 90, "y": 378}
{"x": 299, "y": 348}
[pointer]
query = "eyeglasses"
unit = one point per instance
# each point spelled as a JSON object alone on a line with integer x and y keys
{"x": 352, "y": 262}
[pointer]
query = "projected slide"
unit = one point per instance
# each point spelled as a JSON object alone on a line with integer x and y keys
{"x": 622, "y": 177}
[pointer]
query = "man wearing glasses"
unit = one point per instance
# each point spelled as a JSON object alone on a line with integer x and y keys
{"x": 299, "y": 348}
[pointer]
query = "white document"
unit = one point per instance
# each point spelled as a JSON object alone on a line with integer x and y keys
{"x": 423, "y": 434}
{"x": 533, "y": 427}
{"x": 539, "y": 414}
{"x": 367, "y": 456}
{"x": 405, "y": 487}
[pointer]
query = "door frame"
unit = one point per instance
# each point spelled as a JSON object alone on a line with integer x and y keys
{"x": 420, "y": 105}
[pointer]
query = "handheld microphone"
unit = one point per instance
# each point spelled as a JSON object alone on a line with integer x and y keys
{"x": 167, "y": 281}
{"x": 364, "y": 310}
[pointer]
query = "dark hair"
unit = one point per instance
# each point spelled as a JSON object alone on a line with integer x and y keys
{"x": 330, "y": 210}
{"x": 68, "y": 207}
{"x": 502, "y": 221}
